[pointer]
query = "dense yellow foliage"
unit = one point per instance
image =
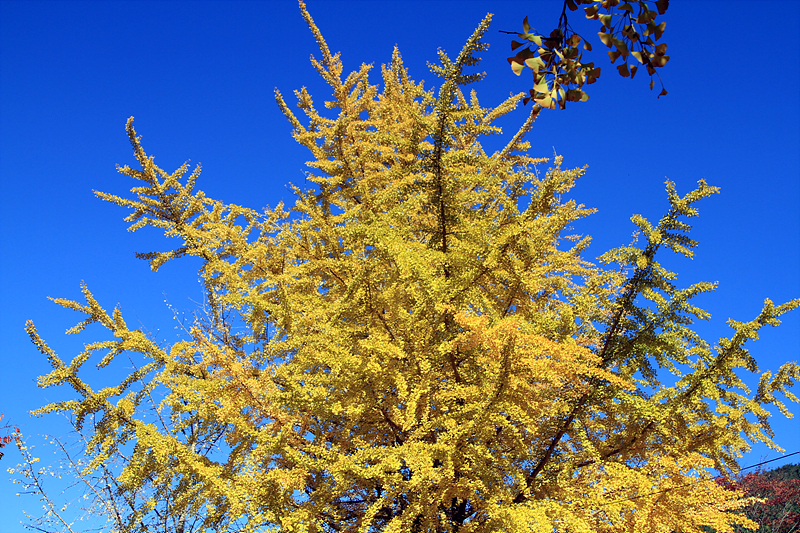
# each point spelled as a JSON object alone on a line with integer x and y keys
{"x": 417, "y": 345}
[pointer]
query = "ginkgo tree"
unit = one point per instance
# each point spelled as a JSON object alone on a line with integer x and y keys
{"x": 417, "y": 344}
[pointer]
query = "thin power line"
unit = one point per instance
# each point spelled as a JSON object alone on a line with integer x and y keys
{"x": 770, "y": 461}
{"x": 693, "y": 483}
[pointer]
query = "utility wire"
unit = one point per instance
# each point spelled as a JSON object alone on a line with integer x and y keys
{"x": 770, "y": 461}
{"x": 688, "y": 484}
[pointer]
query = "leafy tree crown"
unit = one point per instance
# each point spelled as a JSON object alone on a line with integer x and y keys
{"x": 417, "y": 344}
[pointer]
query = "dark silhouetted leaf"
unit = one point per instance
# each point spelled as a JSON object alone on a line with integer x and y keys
{"x": 622, "y": 48}
{"x": 645, "y": 16}
{"x": 660, "y": 30}
{"x": 522, "y": 55}
{"x": 629, "y": 32}
{"x": 623, "y": 70}
{"x": 577, "y": 95}
{"x": 659, "y": 61}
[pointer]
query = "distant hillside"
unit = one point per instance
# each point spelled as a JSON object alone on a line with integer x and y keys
{"x": 780, "y": 488}
{"x": 784, "y": 472}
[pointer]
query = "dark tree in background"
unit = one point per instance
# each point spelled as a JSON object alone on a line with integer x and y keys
{"x": 778, "y": 492}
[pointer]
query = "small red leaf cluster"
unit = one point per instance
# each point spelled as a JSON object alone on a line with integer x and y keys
{"x": 7, "y": 439}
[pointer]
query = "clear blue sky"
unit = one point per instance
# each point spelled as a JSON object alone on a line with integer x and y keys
{"x": 199, "y": 77}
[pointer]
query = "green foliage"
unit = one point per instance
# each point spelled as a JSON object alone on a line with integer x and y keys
{"x": 783, "y": 473}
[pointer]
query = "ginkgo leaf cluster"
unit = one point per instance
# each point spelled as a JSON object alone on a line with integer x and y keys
{"x": 556, "y": 60}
